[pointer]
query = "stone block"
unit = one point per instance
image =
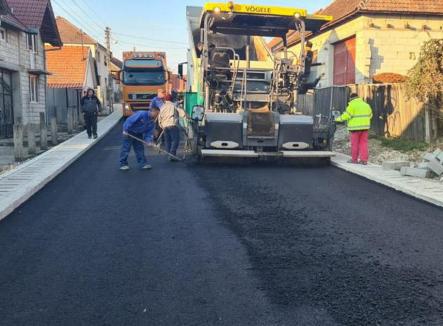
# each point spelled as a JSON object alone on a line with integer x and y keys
{"x": 415, "y": 172}
{"x": 70, "y": 121}
{"x": 19, "y": 151}
{"x": 438, "y": 154}
{"x": 429, "y": 157}
{"x": 436, "y": 166}
{"x": 395, "y": 165}
{"x": 423, "y": 165}
{"x": 32, "y": 143}
{"x": 43, "y": 132}
{"x": 54, "y": 130}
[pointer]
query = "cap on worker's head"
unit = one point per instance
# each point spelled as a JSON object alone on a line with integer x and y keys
{"x": 353, "y": 96}
{"x": 168, "y": 97}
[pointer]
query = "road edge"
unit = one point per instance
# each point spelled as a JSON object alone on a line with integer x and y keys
{"x": 17, "y": 202}
{"x": 408, "y": 190}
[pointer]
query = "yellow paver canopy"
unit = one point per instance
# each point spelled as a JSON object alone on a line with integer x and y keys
{"x": 230, "y": 18}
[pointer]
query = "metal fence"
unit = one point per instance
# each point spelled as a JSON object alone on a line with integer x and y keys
{"x": 395, "y": 115}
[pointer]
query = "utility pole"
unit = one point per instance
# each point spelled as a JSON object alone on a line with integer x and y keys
{"x": 108, "y": 64}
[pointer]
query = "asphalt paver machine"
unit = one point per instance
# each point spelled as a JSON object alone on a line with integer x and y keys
{"x": 243, "y": 97}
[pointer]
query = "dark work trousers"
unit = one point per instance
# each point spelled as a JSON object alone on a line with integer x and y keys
{"x": 139, "y": 150}
{"x": 91, "y": 123}
{"x": 172, "y": 139}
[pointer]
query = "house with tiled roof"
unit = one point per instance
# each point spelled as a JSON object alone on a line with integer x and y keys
{"x": 71, "y": 67}
{"x": 25, "y": 26}
{"x": 73, "y": 36}
{"x": 72, "y": 71}
{"x": 369, "y": 37}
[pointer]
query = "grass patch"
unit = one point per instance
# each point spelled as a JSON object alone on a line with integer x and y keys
{"x": 403, "y": 145}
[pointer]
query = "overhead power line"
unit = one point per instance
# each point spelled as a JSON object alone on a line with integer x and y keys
{"x": 87, "y": 15}
{"x": 148, "y": 39}
{"x": 81, "y": 24}
{"x": 94, "y": 12}
{"x": 150, "y": 45}
{"x": 83, "y": 14}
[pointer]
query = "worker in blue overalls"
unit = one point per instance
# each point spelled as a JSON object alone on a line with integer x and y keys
{"x": 140, "y": 125}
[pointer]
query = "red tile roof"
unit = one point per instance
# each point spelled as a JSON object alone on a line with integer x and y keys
{"x": 71, "y": 34}
{"x": 407, "y": 6}
{"x": 37, "y": 14}
{"x": 30, "y": 12}
{"x": 8, "y": 18}
{"x": 67, "y": 66}
{"x": 343, "y": 9}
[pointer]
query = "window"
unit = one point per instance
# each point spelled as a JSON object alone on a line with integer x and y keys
{"x": 32, "y": 42}
{"x": 3, "y": 35}
{"x": 33, "y": 88}
{"x": 98, "y": 56}
{"x": 144, "y": 78}
{"x": 6, "y": 105}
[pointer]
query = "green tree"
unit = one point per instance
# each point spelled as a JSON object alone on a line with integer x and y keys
{"x": 425, "y": 80}
{"x": 426, "y": 77}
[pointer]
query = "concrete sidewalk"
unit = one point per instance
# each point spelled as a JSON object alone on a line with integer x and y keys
{"x": 19, "y": 184}
{"x": 427, "y": 190}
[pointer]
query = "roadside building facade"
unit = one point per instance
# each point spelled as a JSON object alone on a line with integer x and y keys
{"x": 72, "y": 71}
{"x": 116, "y": 67}
{"x": 73, "y": 36}
{"x": 370, "y": 37}
{"x": 178, "y": 84}
{"x": 26, "y": 25}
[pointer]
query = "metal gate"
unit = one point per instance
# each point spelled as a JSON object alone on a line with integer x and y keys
{"x": 6, "y": 105}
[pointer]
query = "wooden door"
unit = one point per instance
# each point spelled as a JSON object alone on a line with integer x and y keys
{"x": 344, "y": 62}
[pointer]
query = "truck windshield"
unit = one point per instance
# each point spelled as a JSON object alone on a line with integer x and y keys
{"x": 144, "y": 77}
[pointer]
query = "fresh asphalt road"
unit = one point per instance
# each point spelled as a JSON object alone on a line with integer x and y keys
{"x": 218, "y": 245}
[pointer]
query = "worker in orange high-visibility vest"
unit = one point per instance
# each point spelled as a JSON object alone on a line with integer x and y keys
{"x": 358, "y": 117}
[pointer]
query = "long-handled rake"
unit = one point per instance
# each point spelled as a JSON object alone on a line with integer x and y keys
{"x": 160, "y": 150}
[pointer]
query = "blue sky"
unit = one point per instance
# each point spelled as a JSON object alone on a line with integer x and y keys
{"x": 147, "y": 24}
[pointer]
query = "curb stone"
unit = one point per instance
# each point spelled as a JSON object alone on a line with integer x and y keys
{"x": 427, "y": 190}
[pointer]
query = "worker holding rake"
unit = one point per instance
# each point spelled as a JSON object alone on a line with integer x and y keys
{"x": 137, "y": 130}
{"x": 168, "y": 121}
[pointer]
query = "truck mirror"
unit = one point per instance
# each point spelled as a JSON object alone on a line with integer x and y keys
{"x": 180, "y": 71}
{"x": 198, "y": 113}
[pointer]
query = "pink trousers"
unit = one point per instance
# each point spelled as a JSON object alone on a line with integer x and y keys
{"x": 359, "y": 145}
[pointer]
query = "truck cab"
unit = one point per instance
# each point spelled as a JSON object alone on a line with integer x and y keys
{"x": 142, "y": 75}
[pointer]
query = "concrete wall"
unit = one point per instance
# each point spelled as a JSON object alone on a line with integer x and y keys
{"x": 16, "y": 57}
{"x": 9, "y": 51}
{"x": 393, "y": 43}
{"x": 100, "y": 56}
{"x": 383, "y": 44}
